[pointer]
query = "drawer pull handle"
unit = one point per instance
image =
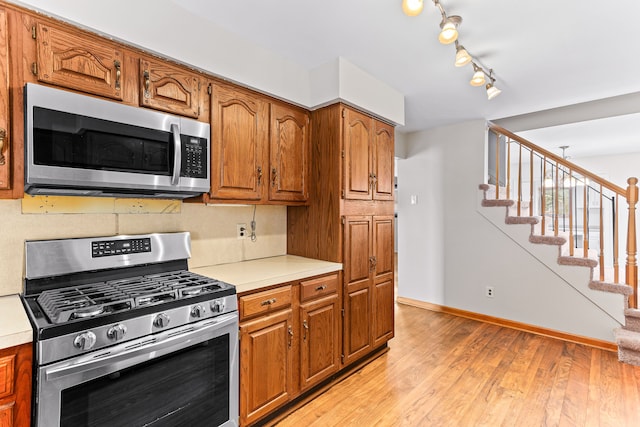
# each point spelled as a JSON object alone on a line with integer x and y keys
{"x": 306, "y": 328}
{"x": 321, "y": 288}
{"x": 3, "y": 136}
{"x": 268, "y": 302}
{"x": 117, "y": 66}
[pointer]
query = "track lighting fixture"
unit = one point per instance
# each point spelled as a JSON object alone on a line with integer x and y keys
{"x": 478, "y": 76}
{"x": 412, "y": 7}
{"x": 462, "y": 56}
{"x": 449, "y": 34}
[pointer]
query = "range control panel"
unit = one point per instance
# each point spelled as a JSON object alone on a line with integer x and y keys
{"x": 120, "y": 247}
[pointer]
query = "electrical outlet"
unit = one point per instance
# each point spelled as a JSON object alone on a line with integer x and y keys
{"x": 241, "y": 231}
{"x": 488, "y": 292}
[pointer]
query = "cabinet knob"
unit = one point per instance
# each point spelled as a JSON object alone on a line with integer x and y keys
{"x": 306, "y": 328}
{"x": 147, "y": 83}
{"x": 290, "y": 331}
{"x": 259, "y": 175}
{"x": 268, "y": 302}
{"x": 274, "y": 177}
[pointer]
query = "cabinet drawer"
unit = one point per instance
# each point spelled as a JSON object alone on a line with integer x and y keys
{"x": 317, "y": 287}
{"x": 7, "y": 369}
{"x": 265, "y": 302}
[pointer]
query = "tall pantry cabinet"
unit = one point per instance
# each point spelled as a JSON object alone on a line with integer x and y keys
{"x": 350, "y": 220}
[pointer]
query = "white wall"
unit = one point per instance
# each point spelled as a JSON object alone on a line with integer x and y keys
{"x": 448, "y": 252}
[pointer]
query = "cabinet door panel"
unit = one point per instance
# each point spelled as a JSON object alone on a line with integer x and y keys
{"x": 265, "y": 365}
{"x": 383, "y": 306}
{"x": 290, "y": 150}
{"x": 320, "y": 355}
{"x": 168, "y": 88}
{"x": 383, "y": 244}
{"x": 239, "y": 136}
{"x": 6, "y": 415}
{"x": 80, "y": 62}
{"x": 357, "y": 322}
{"x": 383, "y": 159}
{"x": 357, "y": 248}
{"x": 357, "y": 158}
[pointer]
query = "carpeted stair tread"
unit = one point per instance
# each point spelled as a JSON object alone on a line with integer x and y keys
{"x": 632, "y": 319}
{"x": 628, "y": 346}
{"x": 547, "y": 240}
{"x": 489, "y": 203}
{"x": 627, "y": 339}
{"x": 615, "y": 288}
{"x": 521, "y": 220}
{"x": 632, "y": 312}
{"x": 580, "y": 262}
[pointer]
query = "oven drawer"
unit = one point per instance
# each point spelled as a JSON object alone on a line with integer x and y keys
{"x": 264, "y": 302}
{"x": 320, "y": 286}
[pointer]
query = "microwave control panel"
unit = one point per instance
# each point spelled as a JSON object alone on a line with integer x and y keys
{"x": 194, "y": 157}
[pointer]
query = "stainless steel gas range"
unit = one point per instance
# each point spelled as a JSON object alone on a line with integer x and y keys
{"x": 125, "y": 335}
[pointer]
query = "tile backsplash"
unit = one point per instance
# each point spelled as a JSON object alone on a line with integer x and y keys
{"x": 212, "y": 228}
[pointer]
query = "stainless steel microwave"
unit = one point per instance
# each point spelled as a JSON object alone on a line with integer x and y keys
{"x": 80, "y": 145}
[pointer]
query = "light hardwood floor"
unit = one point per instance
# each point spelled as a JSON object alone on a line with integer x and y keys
{"x": 443, "y": 370}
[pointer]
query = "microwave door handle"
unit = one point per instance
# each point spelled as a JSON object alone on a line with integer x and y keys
{"x": 177, "y": 154}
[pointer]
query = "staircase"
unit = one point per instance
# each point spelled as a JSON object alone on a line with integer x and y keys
{"x": 519, "y": 202}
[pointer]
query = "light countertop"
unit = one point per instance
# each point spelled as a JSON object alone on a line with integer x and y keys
{"x": 259, "y": 273}
{"x": 15, "y": 328}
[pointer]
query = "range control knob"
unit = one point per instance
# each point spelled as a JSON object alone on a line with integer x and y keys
{"x": 161, "y": 320}
{"x": 117, "y": 332}
{"x": 198, "y": 311}
{"x": 217, "y": 306}
{"x": 85, "y": 340}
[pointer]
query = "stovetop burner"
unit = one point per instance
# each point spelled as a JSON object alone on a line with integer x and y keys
{"x": 94, "y": 299}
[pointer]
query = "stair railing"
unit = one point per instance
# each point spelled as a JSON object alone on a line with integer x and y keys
{"x": 569, "y": 200}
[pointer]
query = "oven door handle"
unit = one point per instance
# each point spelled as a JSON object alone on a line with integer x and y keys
{"x": 147, "y": 348}
{"x": 177, "y": 153}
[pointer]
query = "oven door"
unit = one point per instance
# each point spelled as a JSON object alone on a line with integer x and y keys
{"x": 179, "y": 377}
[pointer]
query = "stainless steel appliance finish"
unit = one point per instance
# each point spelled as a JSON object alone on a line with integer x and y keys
{"x": 124, "y": 334}
{"x": 81, "y": 145}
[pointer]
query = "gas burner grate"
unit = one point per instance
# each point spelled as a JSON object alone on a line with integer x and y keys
{"x": 96, "y": 299}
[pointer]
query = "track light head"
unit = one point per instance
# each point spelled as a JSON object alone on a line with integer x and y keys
{"x": 492, "y": 91}
{"x": 449, "y": 29}
{"x": 462, "y": 56}
{"x": 478, "y": 76}
{"x": 412, "y": 7}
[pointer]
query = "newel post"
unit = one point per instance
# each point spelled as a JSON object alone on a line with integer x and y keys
{"x": 632, "y": 266}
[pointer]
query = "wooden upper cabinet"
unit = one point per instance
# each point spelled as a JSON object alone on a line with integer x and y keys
{"x": 357, "y": 155}
{"x": 239, "y": 144}
{"x": 78, "y": 61}
{"x": 169, "y": 88}
{"x": 382, "y": 162}
{"x": 290, "y": 150}
{"x": 368, "y": 157}
{"x": 5, "y": 151}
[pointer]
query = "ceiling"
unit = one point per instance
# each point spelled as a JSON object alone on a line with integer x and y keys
{"x": 544, "y": 53}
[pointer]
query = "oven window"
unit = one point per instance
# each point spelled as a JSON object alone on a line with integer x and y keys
{"x": 186, "y": 388}
{"x": 75, "y": 141}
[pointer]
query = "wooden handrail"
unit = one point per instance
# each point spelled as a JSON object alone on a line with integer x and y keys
{"x": 593, "y": 187}
{"x": 549, "y": 155}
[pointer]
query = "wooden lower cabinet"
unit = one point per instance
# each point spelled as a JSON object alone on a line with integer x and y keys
{"x": 369, "y": 284}
{"x": 320, "y": 341}
{"x": 289, "y": 342}
{"x": 15, "y": 386}
{"x": 265, "y": 364}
